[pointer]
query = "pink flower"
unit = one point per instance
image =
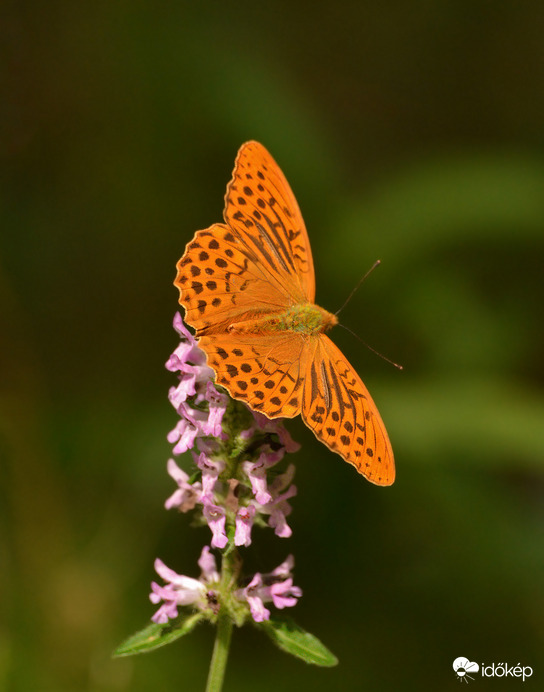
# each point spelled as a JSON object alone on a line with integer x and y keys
{"x": 278, "y": 508}
{"x": 244, "y": 524}
{"x": 256, "y": 472}
{"x": 187, "y": 495}
{"x": 255, "y": 600}
{"x": 190, "y": 361}
{"x": 210, "y": 473}
{"x": 208, "y": 566}
{"x": 195, "y": 384}
{"x": 189, "y": 349}
{"x": 183, "y": 435}
{"x": 217, "y": 407}
{"x": 184, "y": 591}
{"x": 274, "y": 426}
{"x": 180, "y": 591}
{"x": 277, "y": 586}
{"x": 215, "y": 516}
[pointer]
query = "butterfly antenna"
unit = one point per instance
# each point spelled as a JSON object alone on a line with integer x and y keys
{"x": 376, "y": 264}
{"x": 396, "y": 365}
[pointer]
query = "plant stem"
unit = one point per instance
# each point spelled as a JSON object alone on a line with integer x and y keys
{"x": 220, "y": 653}
{"x": 223, "y": 635}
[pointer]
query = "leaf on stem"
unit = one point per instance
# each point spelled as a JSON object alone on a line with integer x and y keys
{"x": 155, "y": 635}
{"x": 292, "y": 639}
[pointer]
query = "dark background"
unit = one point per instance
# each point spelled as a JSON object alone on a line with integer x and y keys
{"x": 410, "y": 132}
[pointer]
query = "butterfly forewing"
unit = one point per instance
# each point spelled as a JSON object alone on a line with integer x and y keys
{"x": 221, "y": 282}
{"x": 261, "y": 208}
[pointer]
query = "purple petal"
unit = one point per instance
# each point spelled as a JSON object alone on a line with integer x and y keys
{"x": 187, "y": 495}
{"x": 181, "y": 329}
{"x": 215, "y": 516}
{"x": 217, "y": 407}
{"x": 208, "y": 565}
{"x": 278, "y": 522}
{"x": 185, "y": 433}
{"x": 166, "y": 612}
{"x": 257, "y": 609}
{"x": 256, "y": 473}
{"x": 284, "y": 594}
{"x": 177, "y": 580}
{"x": 284, "y": 570}
{"x": 177, "y": 395}
{"x": 210, "y": 471}
{"x": 276, "y": 427}
{"x": 176, "y": 473}
{"x": 283, "y": 480}
{"x": 244, "y": 523}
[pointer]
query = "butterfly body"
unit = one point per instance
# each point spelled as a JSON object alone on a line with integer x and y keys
{"x": 248, "y": 290}
{"x": 305, "y": 320}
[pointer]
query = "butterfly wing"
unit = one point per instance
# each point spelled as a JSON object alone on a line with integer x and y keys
{"x": 261, "y": 209}
{"x": 339, "y": 409}
{"x": 260, "y": 262}
{"x": 222, "y": 282}
{"x": 267, "y": 372}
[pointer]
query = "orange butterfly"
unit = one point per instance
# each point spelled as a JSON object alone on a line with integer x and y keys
{"x": 248, "y": 290}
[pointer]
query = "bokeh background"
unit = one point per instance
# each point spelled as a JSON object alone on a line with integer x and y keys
{"x": 410, "y": 132}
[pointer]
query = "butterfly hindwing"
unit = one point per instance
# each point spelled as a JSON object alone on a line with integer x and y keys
{"x": 339, "y": 409}
{"x": 267, "y": 372}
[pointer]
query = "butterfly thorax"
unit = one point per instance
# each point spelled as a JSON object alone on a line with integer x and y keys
{"x": 305, "y": 319}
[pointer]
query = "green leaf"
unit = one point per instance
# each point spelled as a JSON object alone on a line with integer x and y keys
{"x": 156, "y": 635}
{"x": 294, "y": 640}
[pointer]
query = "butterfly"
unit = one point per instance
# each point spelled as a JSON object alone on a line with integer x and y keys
{"x": 248, "y": 290}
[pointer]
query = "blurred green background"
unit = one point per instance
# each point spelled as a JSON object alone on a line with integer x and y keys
{"x": 410, "y": 132}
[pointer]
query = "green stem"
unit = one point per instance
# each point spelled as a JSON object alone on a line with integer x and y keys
{"x": 220, "y": 653}
{"x": 223, "y": 635}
